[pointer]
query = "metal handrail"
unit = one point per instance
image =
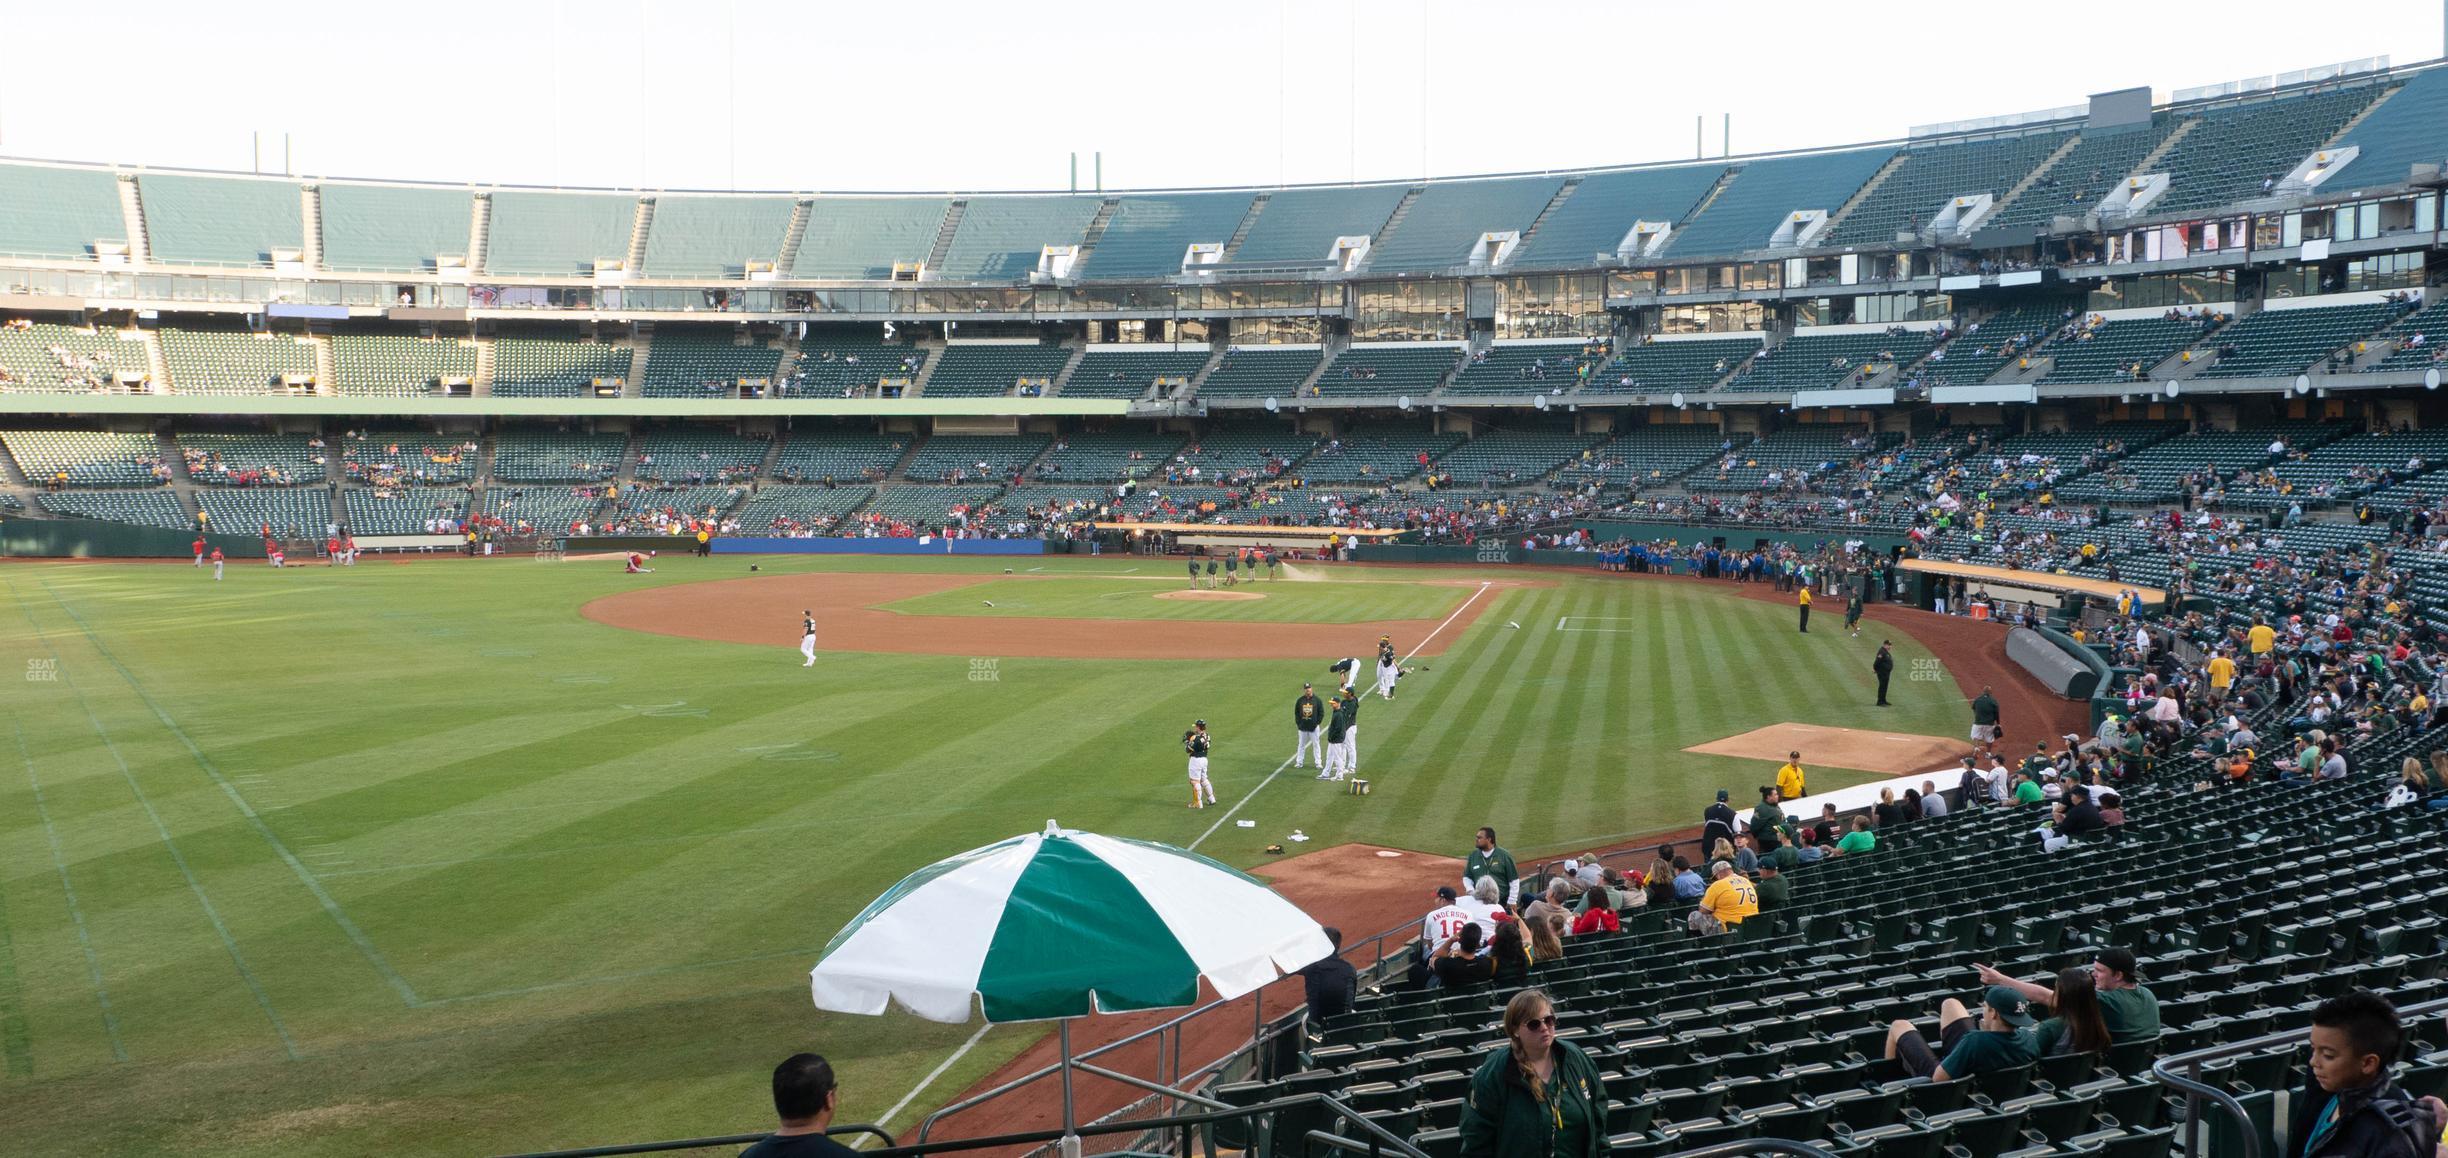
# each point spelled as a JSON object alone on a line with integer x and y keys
{"x": 698, "y": 1143}
{"x": 1393, "y": 1144}
{"x": 2195, "y": 1089}
{"x": 1259, "y": 1036}
{"x": 1755, "y": 1146}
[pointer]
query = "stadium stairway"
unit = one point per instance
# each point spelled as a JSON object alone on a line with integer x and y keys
{"x": 181, "y": 487}
{"x": 1394, "y": 220}
{"x": 310, "y": 213}
{"x": 639, "y": 229}
{"x": 1215, "y": 358}
{"x": 1062, "y": 377}
{"x": 801, "y": 211}
{"x": 1232, "y": 245}
{"x": 934, "y": 352}
{"x": 480, "y": 229}
{"x": 943, "y": 247}
{"x": 482, "y": 386}
{"x": 640, "y": 346}
{"x": 2038, "y": 173}
{"x": 900, "y": 467}
{"x": 131, "y": 210}
{"x": 327, "y": 369}
{"x": 157, "y": 365}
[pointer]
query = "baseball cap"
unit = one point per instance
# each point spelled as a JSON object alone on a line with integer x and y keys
{"x": 1198, "y": 723}
{"x": 1721, "y": 794}
{"x": 1445, "y": 892}
{"x": 2120, "y": 961}
{"x": 2010, "y": 1006}
{"x": 1308, "y": 685}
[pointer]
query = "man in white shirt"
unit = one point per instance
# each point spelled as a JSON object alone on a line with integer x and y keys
{"x": 1443, "y": 923}
{"x": 1484, "y": 903}
{"x": 2001, "y": 782}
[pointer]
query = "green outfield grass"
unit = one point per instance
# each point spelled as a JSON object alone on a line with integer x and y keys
{"x": 415, "y": 859}
{"x": 1135, "y": 597}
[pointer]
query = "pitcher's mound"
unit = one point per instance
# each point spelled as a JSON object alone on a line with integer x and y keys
{"x": 1211, "y": 596}
{"x": 1867, "y": 750}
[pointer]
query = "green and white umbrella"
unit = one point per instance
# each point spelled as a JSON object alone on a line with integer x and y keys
{"x": 1059, "y": 924}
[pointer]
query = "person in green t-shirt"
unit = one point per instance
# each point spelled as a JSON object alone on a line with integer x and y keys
{"x": 1986, "y": 1046}
{"x": 1861, "y": 839}
{"x": 1775, "y": 892}
{"x": 2130, "y": 1011}
{"x": 2028, "y": 790}
{"x": 2073, "y": 1025}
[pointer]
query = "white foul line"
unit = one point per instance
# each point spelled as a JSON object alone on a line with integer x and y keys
{"x": 1270, "y": 778}
{"x": 926, "y": 1081}
{"x": 1562, "y": 621}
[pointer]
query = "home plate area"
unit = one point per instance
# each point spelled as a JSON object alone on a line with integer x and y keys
{"x": 1858, "y": 748}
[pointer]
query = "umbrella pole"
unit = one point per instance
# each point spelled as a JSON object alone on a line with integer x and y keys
{"x": 1070, "y": 1138}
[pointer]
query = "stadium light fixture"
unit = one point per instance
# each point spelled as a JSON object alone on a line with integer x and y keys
{"x": 2303, "y": 384}
{"x": 2431, "y": 378}
{"x": 2172, "y": 390}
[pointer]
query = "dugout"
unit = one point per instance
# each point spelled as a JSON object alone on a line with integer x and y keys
{"x": 2062, "y": 595}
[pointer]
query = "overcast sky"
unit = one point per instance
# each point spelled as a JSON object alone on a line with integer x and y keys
{"x": 963, "y": 94}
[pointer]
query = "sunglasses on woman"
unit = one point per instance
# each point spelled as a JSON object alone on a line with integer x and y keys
{"x": 1547, "y": 1022}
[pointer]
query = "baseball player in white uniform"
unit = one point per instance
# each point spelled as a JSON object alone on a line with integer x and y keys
{"x": 807, "y": 637}
{"x": 1195, "y": 742}
{"x": 1389, "y": 668}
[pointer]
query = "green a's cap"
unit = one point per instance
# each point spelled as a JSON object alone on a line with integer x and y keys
{"x": 2010, "y": 1006}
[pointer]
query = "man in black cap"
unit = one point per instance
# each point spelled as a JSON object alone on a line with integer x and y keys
{"x": 1195, "y": 742}
{"x": 1307, "y": 713}
{"x": 1883, "y": 667}
{"x": 1330, "y": 983}
{"x": 1716, "y": 822}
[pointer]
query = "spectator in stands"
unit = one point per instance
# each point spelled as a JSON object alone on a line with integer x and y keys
{"x": 1828, "y": 829}
{"x": 805, "y": 1096}
{"x": 2353, "y": 1104}
{"x": 1485, "y": 906}
{"x": 1687, "y": 884}
{"x": 1330, "y": 981}
{"x": 1535, "y": 1096}
{"x": 2130, "y": 1011}
{"x": 2112, "y": 809}
{"x": 1933, "y": 803}
{"x": 1463, "y": 964}
{"x": 1746, "y": 854}
{"x": 2074, "y": 1024}
{"x": 1768, "y": 820}
{"x": 1658, "y": 883}
{"x": 1861, "y": 839}
{"x": 1717, "y": 821}
{"x": 1888, "y": 810}
{"x": 1988, "y": 1045}
{"x": 1775, "y": 888}
{"x": 1729, "y": 899}
{"x": 2081, "y": 815}
{"x": 1509, "y": 956}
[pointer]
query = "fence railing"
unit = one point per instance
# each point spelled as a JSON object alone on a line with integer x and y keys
{"x": 2184, "y": 1072}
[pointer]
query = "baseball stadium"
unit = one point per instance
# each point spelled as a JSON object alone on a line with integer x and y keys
{"x": 1914, "y": 645}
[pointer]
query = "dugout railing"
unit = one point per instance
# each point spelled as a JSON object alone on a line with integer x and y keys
{"x": 1198, "y": 1134}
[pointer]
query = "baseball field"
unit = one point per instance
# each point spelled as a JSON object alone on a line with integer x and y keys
{"x": 462, "y": 856}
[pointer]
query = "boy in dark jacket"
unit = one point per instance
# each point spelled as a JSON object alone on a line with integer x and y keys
{"x": 2354, "y": 1108}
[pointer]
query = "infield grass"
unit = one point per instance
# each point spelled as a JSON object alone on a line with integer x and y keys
{"x": 415, "y": 859}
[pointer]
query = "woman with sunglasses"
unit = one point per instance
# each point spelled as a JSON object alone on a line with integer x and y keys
{"x": 1534, "y": 1097}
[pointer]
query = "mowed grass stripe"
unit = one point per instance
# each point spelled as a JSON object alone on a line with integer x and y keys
{"x": 1469, "y": 791}
{"x": 74, "y": 909}
{"x": 1579, "y": 720}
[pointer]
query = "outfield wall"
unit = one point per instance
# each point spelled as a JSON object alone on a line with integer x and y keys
{"x": 753, "y": 546}
{"x": 1739, "y": 537}
{"x": 95, "y": 539}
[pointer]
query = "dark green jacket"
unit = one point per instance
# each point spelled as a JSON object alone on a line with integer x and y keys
{"x": 1316, "y": 714}
{"x": 1495, "y": 862}
{"x": 1500, "y": 1118}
